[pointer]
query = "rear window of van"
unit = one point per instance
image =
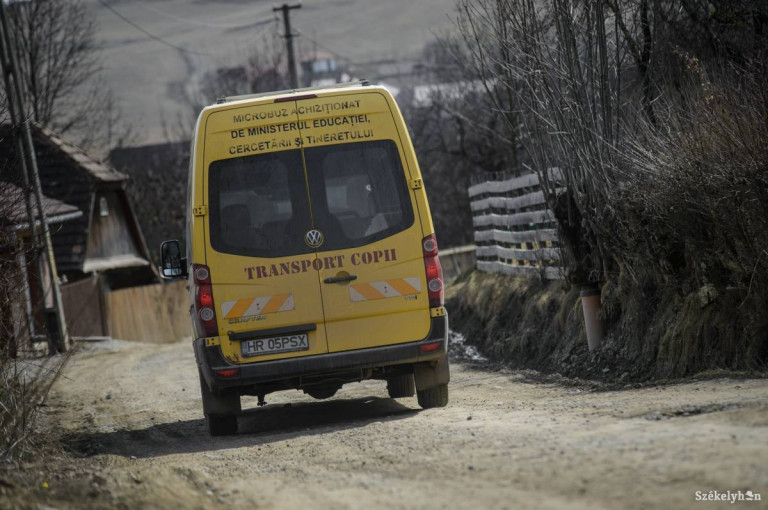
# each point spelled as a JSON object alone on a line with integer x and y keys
{"x": 259, "y": 204}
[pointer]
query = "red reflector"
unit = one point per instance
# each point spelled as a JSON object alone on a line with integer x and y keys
{"x": 206, "y": 300}
{"x": 430, "y": 347}
{"x": 433, "y": 272}
{"x": 228, "y": 372}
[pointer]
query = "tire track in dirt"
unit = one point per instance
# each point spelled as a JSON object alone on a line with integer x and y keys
{"x": 131, "y": 413}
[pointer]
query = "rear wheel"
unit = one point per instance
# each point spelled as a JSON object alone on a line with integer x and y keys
{"x": 401, "y": 386}
{"x": 220, "y": 410}
{"x": 437, "y": 396}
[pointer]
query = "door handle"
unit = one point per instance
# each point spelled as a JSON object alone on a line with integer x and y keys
{"x": 344, "y": 278}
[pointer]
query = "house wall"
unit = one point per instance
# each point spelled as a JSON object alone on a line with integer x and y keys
{"x": 62, "y": 179}
{"x": 110, "y": 235}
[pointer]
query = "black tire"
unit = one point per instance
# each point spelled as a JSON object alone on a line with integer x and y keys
{"x": 220, "y": 410}
{"x": 401, "y": 386}
{"x": 433, "y": 397}
{"x": 221, "y": 425}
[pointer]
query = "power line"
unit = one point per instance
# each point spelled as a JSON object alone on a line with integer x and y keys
{"x": 151, "y": 35}
{"x": 255, "y": 36}
{"x": 206, "y": 24}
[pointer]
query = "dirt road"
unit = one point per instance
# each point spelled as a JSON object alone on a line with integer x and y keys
{"x": 504, "y": 441}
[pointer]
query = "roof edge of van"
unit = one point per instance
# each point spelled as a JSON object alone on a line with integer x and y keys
{"x": 358, "y": 83}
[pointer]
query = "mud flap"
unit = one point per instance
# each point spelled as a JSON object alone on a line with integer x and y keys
{"x": 218, "y": 405}
{"x": 427, "y": 375}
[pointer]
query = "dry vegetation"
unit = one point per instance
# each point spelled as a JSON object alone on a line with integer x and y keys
{"x": 54, "y": 46}
{"x": 24, "y": 386}
{"x": 60, "y": 71}
{"x": 656, "y": 113}
{"x": 25, "y": 378}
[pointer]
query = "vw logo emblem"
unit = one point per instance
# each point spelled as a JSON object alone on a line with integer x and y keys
{"x": 314, "y": 238}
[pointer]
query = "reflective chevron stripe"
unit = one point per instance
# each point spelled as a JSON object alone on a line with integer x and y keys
{"x": 384, "y": 289}
{"x": 257, "y": 306}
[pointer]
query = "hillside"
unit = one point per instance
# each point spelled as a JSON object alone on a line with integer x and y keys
{"x": 147, "y": 74}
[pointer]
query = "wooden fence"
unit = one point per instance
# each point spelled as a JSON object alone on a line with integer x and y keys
{"x": 152, "y": 313}
{"x": 514, "y": 229}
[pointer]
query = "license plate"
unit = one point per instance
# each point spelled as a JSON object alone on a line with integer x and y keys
{"x": 275, "y": 345}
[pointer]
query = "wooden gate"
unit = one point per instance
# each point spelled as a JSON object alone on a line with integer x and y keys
{"x": 85, "y": 307}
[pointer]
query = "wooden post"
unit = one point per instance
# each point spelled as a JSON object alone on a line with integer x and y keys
{"x": 15, "y": 105}
{"x": 292, "y": 70}
{"x": 591, "y": 306}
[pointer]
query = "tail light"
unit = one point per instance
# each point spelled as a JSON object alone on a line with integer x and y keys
{"x": 205, "y": 310}
{"x": 434, "y": 271}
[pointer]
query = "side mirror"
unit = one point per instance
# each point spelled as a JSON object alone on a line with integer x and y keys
{"x": 172, "y": 264}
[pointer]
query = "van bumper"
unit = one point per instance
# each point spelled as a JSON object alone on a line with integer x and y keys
{"x": 210, "y": 360}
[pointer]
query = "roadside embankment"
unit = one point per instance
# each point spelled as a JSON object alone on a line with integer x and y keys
{"x": 524, "y": 323}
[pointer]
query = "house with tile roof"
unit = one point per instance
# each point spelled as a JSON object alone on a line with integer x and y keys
{"x": 100, "y": 250}
{"x": 107, "y": 238}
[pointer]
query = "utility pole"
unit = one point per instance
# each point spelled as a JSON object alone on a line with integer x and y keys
{"x": 27, "y": 191}
{"x": 31, "y": 175}
{"x": 292, "y": 69}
